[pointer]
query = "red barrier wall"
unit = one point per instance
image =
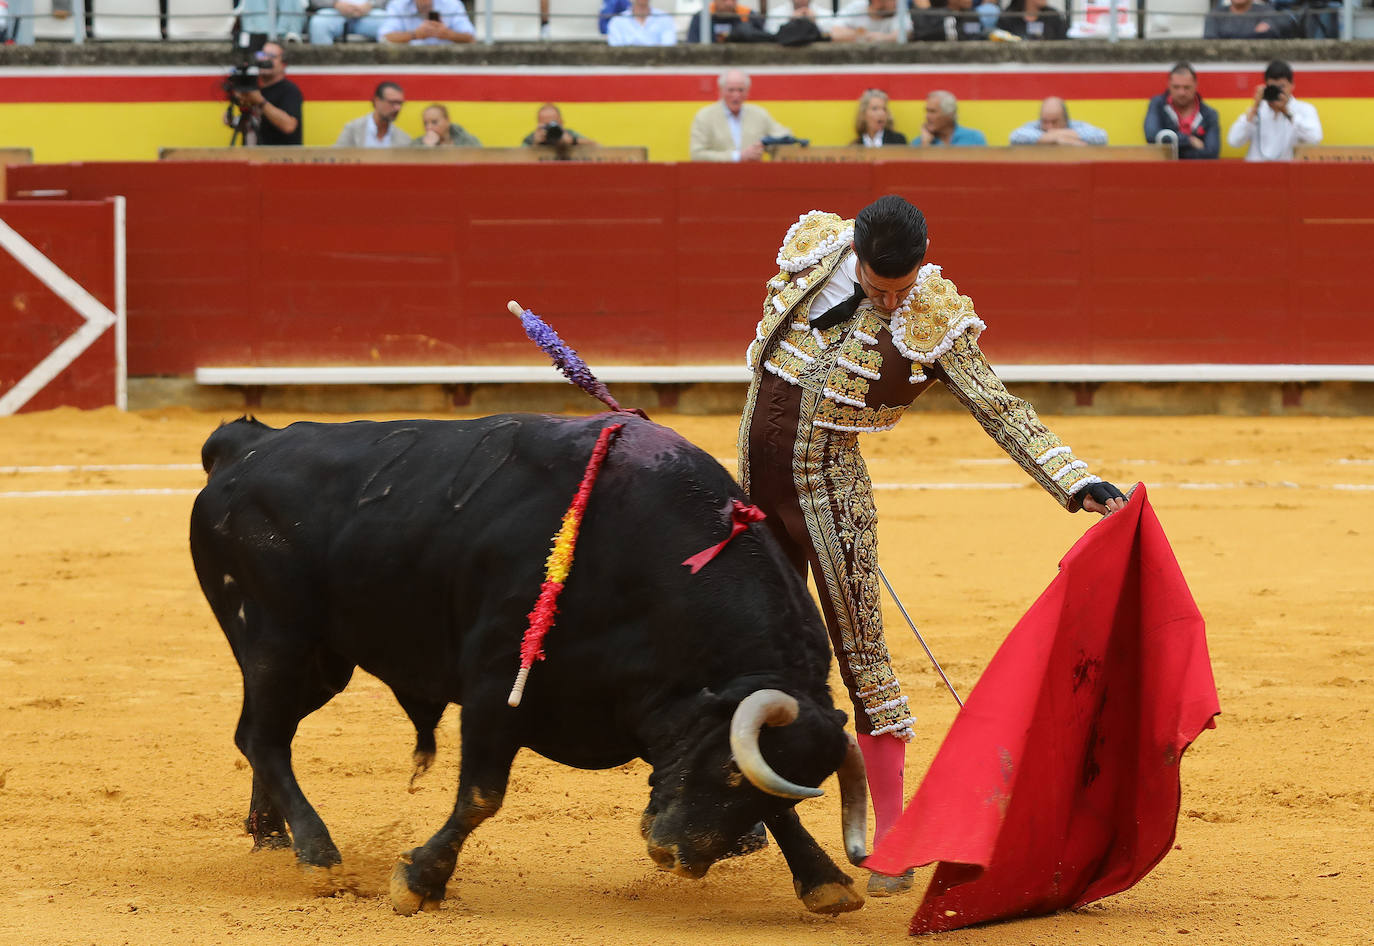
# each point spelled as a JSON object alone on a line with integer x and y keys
{"x": 373, "y": 264}
{"x": 79, "y": 239}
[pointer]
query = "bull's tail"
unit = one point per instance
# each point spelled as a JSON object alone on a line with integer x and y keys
{"x": 232, "y": 440}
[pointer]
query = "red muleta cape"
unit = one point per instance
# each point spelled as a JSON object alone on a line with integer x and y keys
{"x": 1058, "y": 783}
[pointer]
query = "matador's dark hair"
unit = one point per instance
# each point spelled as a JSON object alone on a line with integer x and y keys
{"x": 890, "y": 236}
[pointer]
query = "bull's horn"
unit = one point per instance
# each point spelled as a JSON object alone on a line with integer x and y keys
{"x": 758, "y": 709}
{"x": 515, "y": 308}
{"x": 854, "y": 803}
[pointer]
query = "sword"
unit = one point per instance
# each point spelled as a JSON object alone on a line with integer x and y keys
{"x": 912, "y": 624}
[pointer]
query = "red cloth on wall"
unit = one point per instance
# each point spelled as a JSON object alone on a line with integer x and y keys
{"x": 1058, "y": 783}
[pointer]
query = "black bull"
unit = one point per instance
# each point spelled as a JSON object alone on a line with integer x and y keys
{"x": 416, "y": 549}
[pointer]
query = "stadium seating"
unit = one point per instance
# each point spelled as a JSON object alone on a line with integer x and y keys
{"x": 42, "y": 23}
{"x": 200, "y": 19}
{"x": 1175, "y": 19}
{"x": 126, "y": 19}
{"x": 512, "y": 20}
{"x": 683, "y": 12}
{"x": 573, "y": 20}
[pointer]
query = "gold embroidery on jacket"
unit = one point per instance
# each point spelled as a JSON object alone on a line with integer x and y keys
{"x": 1012, "y": 422}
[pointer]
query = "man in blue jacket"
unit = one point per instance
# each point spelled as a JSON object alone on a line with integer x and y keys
{"x": 1182, "y": 111}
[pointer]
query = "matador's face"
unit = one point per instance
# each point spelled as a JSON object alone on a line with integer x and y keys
{"x": 884, "y": 292}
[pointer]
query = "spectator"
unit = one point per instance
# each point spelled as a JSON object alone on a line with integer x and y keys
{"x": 550, "y": 130}
{"x": 1275, "y": 121}
{"x": 610, "y": 8}
{"x": 950, "y": 20}
{"x": 782, "y": 12}
{"x": 731, "y": 129}
{"x": 1243, "y": 19}
{"x": 1054, "y": 127}
{"x": 439, "y": 131}
{"x": 642, "y": 25}
{"x": 377, "y": 129}
{"x": 1033, "y": 19}
{"x": 866, "y": 21}
{"x": 942, "y": 126}
{"x": 730, "y": 23}
{"x": 873, "y": 125}
{"x": 426, "y": 22}
{"x": 273, "y": 112}
{"x": 334, "y": 20}
{"x": 1182, "y": 111}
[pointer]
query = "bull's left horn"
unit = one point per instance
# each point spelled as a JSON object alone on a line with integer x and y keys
{"x": 854, "y": 803}
{"x": 758, "y": 709}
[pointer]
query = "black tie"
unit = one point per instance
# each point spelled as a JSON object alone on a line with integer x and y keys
{"x": 841, "y": 312}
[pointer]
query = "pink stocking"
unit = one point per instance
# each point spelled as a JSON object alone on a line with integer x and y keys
{"x": 885, "y": 759}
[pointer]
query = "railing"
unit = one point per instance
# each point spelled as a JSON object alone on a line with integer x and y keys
{"x": 501, "y": 21}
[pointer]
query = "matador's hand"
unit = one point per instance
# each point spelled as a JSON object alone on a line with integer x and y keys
{"x": 1102, "y": 498}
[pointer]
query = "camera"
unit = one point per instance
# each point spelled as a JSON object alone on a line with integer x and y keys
{"x": 1272, "y": 93}
{"x": 243, "y": 77}
{"x": 434, "y": 16}
{"x": 553, "y": 133}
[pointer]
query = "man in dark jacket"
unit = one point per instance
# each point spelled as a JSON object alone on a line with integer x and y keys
{"x": 1182, "y": 111}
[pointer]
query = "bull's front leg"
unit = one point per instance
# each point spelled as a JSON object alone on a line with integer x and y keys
{"x": 420, "y": 878}
{"x": 822, "y": 886}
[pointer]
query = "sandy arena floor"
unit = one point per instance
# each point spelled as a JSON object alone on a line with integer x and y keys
{"x": 122, "y": 796}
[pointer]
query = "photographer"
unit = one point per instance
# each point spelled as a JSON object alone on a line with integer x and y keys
{"x": 1275, "y": 121}
{"x": 550, "y": 132}
{"x": 271, "y": 114}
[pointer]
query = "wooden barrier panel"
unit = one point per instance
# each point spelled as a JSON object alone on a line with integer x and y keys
{"x": 53, "y": 355}
{"x": 1076, "y": 154}
{"x": 1346, "y": 153}
{"x": 289, "y": 154}
{"x": 1102, "y": 263}
{"x": 10, "y": 156}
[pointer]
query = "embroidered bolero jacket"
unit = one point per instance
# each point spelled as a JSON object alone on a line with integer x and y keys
{"x": 867, "y": 370}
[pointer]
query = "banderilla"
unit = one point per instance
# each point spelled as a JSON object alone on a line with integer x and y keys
{"x": 924, "y": 646}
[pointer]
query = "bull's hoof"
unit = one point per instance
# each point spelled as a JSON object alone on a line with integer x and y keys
{"x": 320, "y": 852}
{"x": 271, "y": 842}
{"x": 404, "y": 900}
{"x": 832, "y": 899}
{"x": 881, "y": 885}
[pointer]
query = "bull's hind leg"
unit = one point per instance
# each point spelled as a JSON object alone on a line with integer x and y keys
{"x": 280, "y": 688}
{"x": 421, "y": 876}
{"x": 822, "y": 886}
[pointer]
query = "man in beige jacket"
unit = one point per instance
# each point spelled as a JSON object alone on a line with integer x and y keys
{"x": 730, "y": 130}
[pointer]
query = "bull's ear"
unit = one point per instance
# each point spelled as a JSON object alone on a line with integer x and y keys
{"x": 711, "y": 701}
{"x": 840, "y": 717}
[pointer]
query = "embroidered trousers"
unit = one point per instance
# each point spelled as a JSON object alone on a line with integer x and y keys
{"x": 814, "y": 487}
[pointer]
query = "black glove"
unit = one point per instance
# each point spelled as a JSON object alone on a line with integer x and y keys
{"x": 1101, "y": 492}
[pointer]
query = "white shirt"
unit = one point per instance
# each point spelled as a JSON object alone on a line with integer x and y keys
{"x": 1273, "y": 134}
{"x": 372, "y": 141}
{"x": 840, "y": 287}
{"x": 658, "y": 29}
{"x": 733, "y": 120}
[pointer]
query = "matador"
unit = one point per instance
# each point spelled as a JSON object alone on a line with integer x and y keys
{"x": 854, "y": 328}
